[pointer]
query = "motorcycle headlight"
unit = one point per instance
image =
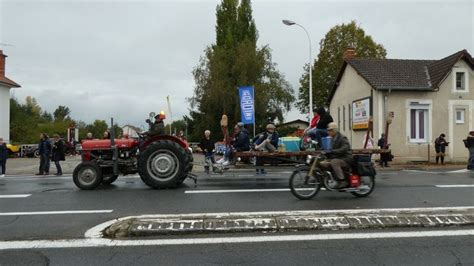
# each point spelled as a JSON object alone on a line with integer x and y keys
{"x": 309, "y": 158}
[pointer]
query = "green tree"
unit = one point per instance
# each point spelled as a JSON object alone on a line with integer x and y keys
{"x": 235, "y": 60}
{"x": 330, "y": 59}
{"x": 61, "y": 113}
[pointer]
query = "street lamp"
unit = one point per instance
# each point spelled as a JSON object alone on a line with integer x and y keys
{"x": 291, "y": 23}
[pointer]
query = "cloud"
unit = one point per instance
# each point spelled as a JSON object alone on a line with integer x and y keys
{"x": 122, "y": 59}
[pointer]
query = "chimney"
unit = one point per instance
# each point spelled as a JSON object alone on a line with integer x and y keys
{"x": 2, "y": 64}
{"x": 349, "y": 53}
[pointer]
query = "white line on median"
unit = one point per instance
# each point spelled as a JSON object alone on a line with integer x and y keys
{"x": 14, "y": 196}
{"x": 54, "y": 212}
{"x": 242, "y": 190}
{"x": 453, "y": 186}
{"x": 96, "y": 242}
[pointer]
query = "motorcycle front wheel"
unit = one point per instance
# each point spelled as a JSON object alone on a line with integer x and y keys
{"x": 303, "y": 185}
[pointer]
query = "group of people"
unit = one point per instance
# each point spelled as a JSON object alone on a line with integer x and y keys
{"x": 238, "y": 142}
{"x": 54, "y": 150}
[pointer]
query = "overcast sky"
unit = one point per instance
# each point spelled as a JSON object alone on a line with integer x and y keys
{"x": 122, "y": 58}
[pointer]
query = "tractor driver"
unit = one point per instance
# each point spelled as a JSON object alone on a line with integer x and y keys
{"x": 158, "y": 127}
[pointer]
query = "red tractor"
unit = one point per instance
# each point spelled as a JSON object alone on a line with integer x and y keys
{"x": 162, "y": 161}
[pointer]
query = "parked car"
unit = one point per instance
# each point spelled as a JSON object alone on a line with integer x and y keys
{"x": 13, "y": 149}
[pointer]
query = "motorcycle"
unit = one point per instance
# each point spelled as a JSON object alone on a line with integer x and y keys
{"x": 306, "y": 181}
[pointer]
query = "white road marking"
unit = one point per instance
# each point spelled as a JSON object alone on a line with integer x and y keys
{"x": 453, "y": 186}
{"x": 97, "y": 242}
{"x": 14, "y": 196}
{"x": 460, "y": 171}
{"x": 241, "y": 190}
{"x": 54, "y": 212}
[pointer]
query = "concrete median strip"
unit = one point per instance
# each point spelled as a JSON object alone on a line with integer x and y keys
{"x": 159, "y": 225}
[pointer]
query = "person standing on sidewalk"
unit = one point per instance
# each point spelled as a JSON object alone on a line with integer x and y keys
{"x": 45, "y": 152}
{"x": 469, "y": 142}
{"x": 384, "y": 157}
{"x": 3, "y": 157}
{"x": 440, "y": 147}
{"x": 58, "y": 153}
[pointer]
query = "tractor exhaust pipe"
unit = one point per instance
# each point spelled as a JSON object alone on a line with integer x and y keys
{"x": 113, "y": 147}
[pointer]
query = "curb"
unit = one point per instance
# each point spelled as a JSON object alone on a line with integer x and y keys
{"x": 159, "y": 225}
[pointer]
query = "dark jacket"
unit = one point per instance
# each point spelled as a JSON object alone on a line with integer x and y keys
{"x": 324, "y": 120}
{"x": 45, "y": 147}
{"x": 341, "y": 148}
{"x": 3, "y": 152}
{"x": 440, "y": 144}
{"x": 381, "y": 143}
{"x": 242, "y": 140}
{"x": 265, "y": 135}
{"x": 207, "y": 144}
{"x": 158, "y": 128}
{"x": 58, "y": 151}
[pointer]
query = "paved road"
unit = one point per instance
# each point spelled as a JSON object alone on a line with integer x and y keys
{"x": 23, "y": 197}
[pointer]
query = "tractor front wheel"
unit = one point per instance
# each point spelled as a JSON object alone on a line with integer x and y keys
{"x": 87, "y": 175}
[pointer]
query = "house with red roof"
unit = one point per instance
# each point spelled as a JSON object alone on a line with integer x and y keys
{"x": 422, "y": 98}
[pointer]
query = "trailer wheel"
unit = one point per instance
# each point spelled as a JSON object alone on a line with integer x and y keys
{"x": 189, "y": 168}
{"x": 163, "y": 164}
{"x": 87, "y": 175}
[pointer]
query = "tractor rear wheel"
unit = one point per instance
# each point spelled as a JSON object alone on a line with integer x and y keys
{"x": 163, "y": 164}
{"x": 87, "y": 175}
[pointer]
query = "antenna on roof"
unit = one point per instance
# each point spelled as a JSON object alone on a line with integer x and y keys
{"x": 6, "y": 44}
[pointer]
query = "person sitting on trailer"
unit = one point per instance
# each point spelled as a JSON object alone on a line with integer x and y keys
{"x": 240, "y": 142}
{"x": 266, "y": 141}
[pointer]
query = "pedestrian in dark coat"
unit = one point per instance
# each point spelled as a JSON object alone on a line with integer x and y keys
{"x": 440, "y": 147}
{"x": 3, "y": 157}
{"x": 45, "y": 153}
{"x": 58, "y": 154}
{"x": 384, "y": 157}
{"x": 469, "y": 142}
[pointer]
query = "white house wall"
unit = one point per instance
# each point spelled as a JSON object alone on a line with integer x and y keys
{"x": 5, "y": 113}
{"x": 351, "y": 87}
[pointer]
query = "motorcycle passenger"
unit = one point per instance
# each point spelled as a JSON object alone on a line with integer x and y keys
{"x": 340, "y": 155}
{"x": 321, "y": 127}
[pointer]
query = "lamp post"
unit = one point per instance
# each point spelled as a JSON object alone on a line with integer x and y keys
{"x": 291, "y": 23}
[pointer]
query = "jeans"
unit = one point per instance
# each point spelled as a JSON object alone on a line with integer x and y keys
{"x": 44, "y": 164}
{"x": 3, "y": 164}
{"x": 208, "y": 156}
{"x": 470, "y": 164}
{"x": 58, "y": 168}
{"x": 318, "y": 134}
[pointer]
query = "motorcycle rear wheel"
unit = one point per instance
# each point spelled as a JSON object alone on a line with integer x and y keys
{"x": 302, "y": 185}
{"x": 369, "y": 183}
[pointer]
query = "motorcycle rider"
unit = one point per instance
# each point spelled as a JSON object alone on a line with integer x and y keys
{"x": 340, "y": 155}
